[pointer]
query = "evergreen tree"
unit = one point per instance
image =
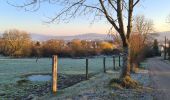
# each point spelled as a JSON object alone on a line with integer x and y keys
{"x": 168, "y": 50}
{"x": 155, "y": 48}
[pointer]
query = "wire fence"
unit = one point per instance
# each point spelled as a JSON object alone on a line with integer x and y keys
{"x": 13, "y": 68}
{"x": 19, "y": 75}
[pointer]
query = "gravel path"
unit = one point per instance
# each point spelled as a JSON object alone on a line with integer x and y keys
{"x": 160, "y": 75}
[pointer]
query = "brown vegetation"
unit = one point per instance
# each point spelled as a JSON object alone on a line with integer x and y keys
{"x": 140, "y": 40}
{"x": 17, "y": 43}
{"x": 127, "y": 82}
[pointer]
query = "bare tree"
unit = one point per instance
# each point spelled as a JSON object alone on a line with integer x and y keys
{"x": 141, "y": 36}
{"x": 15, "y": 41}
{"x": 119, "y": 13}
{"x": 143, "y": 26}
{"x": 168, "y": 18}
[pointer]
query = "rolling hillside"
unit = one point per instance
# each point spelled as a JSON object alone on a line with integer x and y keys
{"x": 88, "y": 36}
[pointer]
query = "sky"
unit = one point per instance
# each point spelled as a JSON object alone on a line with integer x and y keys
{"x": 34, "y": 22}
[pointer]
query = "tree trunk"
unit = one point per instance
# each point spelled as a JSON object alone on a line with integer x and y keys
{"x": 125, "y": 70}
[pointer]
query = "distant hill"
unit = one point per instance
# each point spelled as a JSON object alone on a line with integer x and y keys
{"x": 88, "y": 36}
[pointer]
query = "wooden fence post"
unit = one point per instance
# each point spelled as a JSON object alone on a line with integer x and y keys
{"x": 165, "y": 49}
{"x": 87, "y": 68}
{"x": 54, "y": 73}
{"x": 104, "y": 64}
{"x": 119, "y": 61}
{"x": 114, "y": 66}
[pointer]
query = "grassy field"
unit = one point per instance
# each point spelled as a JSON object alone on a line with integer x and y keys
{"x": 13, "y": 71}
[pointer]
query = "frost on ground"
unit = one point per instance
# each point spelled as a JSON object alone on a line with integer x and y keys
{"x": 25, "y": 89}
{"x": 97, "y": 88}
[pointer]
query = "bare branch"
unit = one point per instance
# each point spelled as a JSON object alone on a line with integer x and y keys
{"x": 68, "y": 9}
{"x": 110, "y": 2}
{"x": 107, "y": 16}
{"x": 136, "y": 3}
{"x": 168, "y": 19}
{"x": 34, "y": 3}
{"x": 130, "y": 12}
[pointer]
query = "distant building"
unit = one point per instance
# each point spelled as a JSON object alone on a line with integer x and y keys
{"x": 162, "y": 46}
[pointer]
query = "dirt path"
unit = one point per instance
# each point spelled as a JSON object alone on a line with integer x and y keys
{"x": 160, "y": 75}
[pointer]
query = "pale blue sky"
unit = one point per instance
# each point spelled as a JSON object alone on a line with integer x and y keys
{"x": 11, "y": 17}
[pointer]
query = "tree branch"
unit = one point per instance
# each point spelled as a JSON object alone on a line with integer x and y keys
{"x": 107, "y": 16}
{"x": 136, "y": 3}
{"x": 110, "y": 2}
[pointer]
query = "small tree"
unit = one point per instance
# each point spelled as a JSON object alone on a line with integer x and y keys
{"x": 143, "y": 26}
{"x": 139, "y": 39}
{"x": 15, "y": 42}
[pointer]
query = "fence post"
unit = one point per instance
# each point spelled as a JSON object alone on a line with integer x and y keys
{"x": 86, "y": 68}
{"x": 54, "y": 73}
{"x": 165, "y": 49}
{"x": 114, "y": 66}
{"x": 104, "y": 64}
{"x": 119, "y": 61}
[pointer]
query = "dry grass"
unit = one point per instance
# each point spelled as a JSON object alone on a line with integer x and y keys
{"x": 126, "y": 82}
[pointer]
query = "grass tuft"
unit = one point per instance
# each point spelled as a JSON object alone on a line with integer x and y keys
{"x": 126, "y": 82}
{"x": 116, "y": 83}
{"x": 22, "y": 82}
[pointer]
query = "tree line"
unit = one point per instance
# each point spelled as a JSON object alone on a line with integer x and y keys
{"x": 16, "y": 43}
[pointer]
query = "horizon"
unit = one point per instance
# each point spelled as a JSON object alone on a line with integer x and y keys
{"x": 65, "y": 35}
{"x": 33, "y": 22}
